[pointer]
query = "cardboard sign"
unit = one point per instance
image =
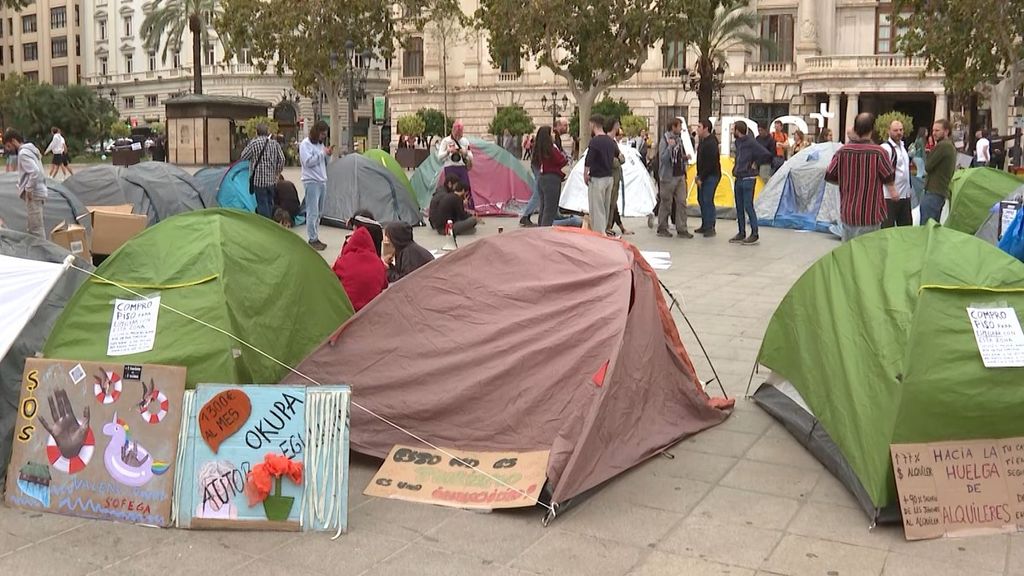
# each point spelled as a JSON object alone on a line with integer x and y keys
{"x": 222, "y": 416}
{"x": 308, "y": 426}
{"x": 1000, "y": 339}
{"x": 960, "y": 488}
{"x": 72, "y": 237}
{"x": 90, "y": 442}
{"x": 133, "y": 326}
{"x": 512, "y": 480}
{"x": 112, "y": 226}
{"x": 1007, "y": 212}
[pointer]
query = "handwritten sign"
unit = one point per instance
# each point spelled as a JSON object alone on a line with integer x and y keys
{"x": 133, "y": 326}
{"x": 1007, "y": 212}
{"x": 222, "y": 416}
{"x": 499, "y": 480}
{"x": 999, "y": 336}
{"x": 960, "y": 488}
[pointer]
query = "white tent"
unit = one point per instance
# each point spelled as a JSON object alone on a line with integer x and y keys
{"x": 637, "y": 194}
{"x": 24, "y": 284}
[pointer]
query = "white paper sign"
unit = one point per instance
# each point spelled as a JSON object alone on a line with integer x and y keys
{"x": 133, "y": 327}
{"x": 999, "y": 336}
{"x": 1007, "y": 212}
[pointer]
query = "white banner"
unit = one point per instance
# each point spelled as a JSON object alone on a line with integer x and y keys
{"x": 24, "y": 284}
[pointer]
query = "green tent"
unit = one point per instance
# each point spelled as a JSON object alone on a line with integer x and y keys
{"x": 391, "y": 165}
{"x": 239, "y": 272}
{"x": 974, "y": 191}
{"x": 873, "y": 346}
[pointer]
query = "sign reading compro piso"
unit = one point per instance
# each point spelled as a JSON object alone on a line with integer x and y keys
{"x": 512, "y": 479}
{"x": 960, "y": 488}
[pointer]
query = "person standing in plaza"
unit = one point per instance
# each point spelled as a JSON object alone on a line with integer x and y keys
{"x": 749, "y": 155}
{"x": 59, "y": 148}
{"x": 548, "y": 162}
{"x": 672, "y": 181}
{"x": 457, "y": 158}
{"x": 917, "y": 151}
{"x": 266, "y": 162}
{"x": 313, "y": 157}
{"x": 709, "y": 174}
{"x": 940, "y": 165}
{"x": 982, "y": 149}
{"x": 614, "y": 130}
{"x": 559, "y": 128}
{"x": 597, "y": 173}
{"x": 31, "y": 179}
{"x": 899, "y": 212}
{"x": 861, "y": 168}
{"x": 781, "y": 140}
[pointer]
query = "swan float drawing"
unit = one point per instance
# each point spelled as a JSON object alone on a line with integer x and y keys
{"x": 126, "y": 461}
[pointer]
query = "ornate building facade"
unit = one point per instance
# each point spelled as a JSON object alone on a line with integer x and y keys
{"x": 42, "y": 41}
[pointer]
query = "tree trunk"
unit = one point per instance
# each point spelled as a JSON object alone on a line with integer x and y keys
{"x": 195, "y": 23}
{"x": 585, "y": 102}
{"x": 334, "y": 102}
{"x": 706, "y": 88}
{"x": 444, "y": 75}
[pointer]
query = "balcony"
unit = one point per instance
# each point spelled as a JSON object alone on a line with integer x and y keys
{"x": 671, "y": 73}
{"x": 410, "y": 82}
{"x": 875, "y": 63}
{"x": 768, "y": 69}
{"x": 509, "y": 77}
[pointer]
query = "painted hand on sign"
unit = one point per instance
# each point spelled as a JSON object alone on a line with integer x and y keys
{"x": 67, "y": 431}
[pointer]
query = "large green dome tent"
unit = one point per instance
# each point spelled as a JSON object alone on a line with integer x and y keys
{"x": 237, "y": 271}
{"x": 873, "y": 346}
{"x": 973, "y": 192}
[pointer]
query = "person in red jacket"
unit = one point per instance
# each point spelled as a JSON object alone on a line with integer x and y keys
{"x": 361, "y": 271}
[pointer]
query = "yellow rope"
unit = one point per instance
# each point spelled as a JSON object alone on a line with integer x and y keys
{"x": 968, "y": 288}
{"x": 157, "y": 286}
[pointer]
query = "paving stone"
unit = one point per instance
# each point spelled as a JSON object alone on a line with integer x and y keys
{"x": 720, "y": 442}
{"x": 974, "y": 553}
{"x": 780, "y": 449}
{"x": 661, "y": 564}
{"x": 563, "y": 553}
{"x": 842, "y": 524}
{"x": 829, "y": 490}
{"x": 397, "y": 519}
{"x": 798, "y": 555}
{"x": 747, "y": 417}
{"x": 498, "y": 536}
{"x": 900, "y": 565}
{"x": 724, "y": 543}
{"x": 620, "y": 521}
{"x": 253, "y": 543}
{"x": 35, "y": 526}
{"x": 272, "y": 567}
{"x": 105, "y": 543}
{"x": 653, "y": 490}
{"x": 183, "y": 557}
{"x": 731, "y": 506}
{"x": 349, "y": 555}
{"x": 1015, "y": 563}
{"x": 417, "y": 559}
{"x": 776, "y": 479}
{"x": 687, "y": 463}
{"x": 45, "y": 560}
{"x": 9, "y": 543}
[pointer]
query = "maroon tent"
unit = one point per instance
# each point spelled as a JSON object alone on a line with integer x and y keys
{"x": 548, "y": 339}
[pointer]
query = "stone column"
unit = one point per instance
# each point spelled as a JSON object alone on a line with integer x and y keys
{"x": 807, "y": 28}
{"x": 852, "y": 109}
{"x": 941, "y": 106}
{"x": 833, "y": 123}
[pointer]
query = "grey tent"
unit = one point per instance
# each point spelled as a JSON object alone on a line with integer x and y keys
{"x": 156, "y": 189}
{"x": 354, "y": 182}
{"x": 32, "y": 338}
{"x": 989, "y": 231}
{"x": 61, "y": 205}
{"x": 797, "y": 196}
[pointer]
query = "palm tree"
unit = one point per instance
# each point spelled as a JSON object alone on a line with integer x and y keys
{"x": 165, "y": 26}
{"x": 733, "y": 25}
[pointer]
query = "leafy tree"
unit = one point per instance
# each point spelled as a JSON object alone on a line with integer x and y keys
{"x": 605, "y": 107}
{"x": 447, "y": 24}
{"x": 14, "y": 5}
{"x": 435, "y": 123}
{"x": 119, "y": 129}
{"x": 165, "y": 26}
{"x": 250, "y": 125}
{"x": 512, "y": 118}
{"x": 632, "y": 125}
{"x": 590, "y": 44}
{"x": 158, "y": 127}
{"x": 411, "y": 125}
{"x": 883, "y": 121}
{"x": 34, "y": 108}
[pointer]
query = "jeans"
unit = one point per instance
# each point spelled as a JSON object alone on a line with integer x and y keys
{"x": 851, "y": 232}
{"x": 315, "y": 194}
{"x": 265, "y": 201}
{"x": 919, "y": 163}
{"x": 743, "y": 190}
{"x": 599, "y": 196}
{"x": 931, "y": 207}
{"x": 533, "y": 206}
{"x": 706, "y": 199}
{"x": 34, "y": 210}
{"x": 464, "y": 227}
{"x": 550, "y": 190}
{"x": 672, "y": 197}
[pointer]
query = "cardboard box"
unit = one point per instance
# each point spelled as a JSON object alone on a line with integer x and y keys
{"x": 112, "y": 226}
{"x": 73, "y": 238}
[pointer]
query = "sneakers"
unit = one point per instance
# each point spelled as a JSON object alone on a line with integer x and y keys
{"x": 700, "y": 230}
{"x": 664, "y": 234}
{"x": 751, "y": 240}
{"x": 684, "y": 234}
{"x": 527, "y": 223}
{"x": 737, "y": 239}
{"x": 710, "y": 233}
{"x": 650, "y": 221}
{"x": 317, "y": 245}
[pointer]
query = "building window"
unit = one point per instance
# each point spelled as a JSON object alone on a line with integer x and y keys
{"x": 78, "y": 19}
{"x": 244, "y": 56}
{"x": 28, "y": 24}
{"x": 59, "y": 48}
{"x": 511, "y": 64}
{"x": 129, "y": 30}
{"x": 209, "y": 57}
{"x": 152, "y": 61}
{"x": 763, "y": 114}
{"x": 176, "y": 59}
{"x": 78, "y": 45}
{"x": 78, "y": 74}
{"x": 777, "y": 29}
{"x": 129, "y": 102}
{"x": 129, "y": 64}
{"x": 887, "y": 34}
{"x": 58, "y": 18}
{"x": 103, "y": 66}
{"x": 29, "y": 52}
{"x": 152, "y": 101}
{"x": 1, "y": 56}
{"x": 673, "y": 54}
{"x": 101, "y": 27}
{"x": 412, "y": 59}
{"x": 59, "y": 76}
{"x": 32, "y": 76}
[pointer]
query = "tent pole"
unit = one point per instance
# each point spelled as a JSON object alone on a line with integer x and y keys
{"x": 677, "y": 306}
{"x": 751, "y": 380}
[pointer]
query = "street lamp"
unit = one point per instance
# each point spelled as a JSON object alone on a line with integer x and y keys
{"x": 555, "y": 108}
{"x": 692, "y": 81}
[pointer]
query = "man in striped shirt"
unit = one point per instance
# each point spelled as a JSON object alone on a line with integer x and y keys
{"x": 861, "y": 168}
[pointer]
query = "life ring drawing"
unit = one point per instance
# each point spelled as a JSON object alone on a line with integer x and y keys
{"x": 75, "y": 464}
{"x": 158, "y": 416}
{"x": 114, "y": 391}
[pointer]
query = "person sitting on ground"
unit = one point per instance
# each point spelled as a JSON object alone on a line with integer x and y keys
{"x": 406, "y": 255}
{"x": 364, "y": 219}
{"x": 360, "y": 269}
{"x": 451, "y": 205}
{"x": 286, "y": 199}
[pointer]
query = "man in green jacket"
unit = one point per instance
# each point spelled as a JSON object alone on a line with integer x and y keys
{"x": 939, "y": 167}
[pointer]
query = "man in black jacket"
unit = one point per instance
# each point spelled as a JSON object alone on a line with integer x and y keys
{"x": 709, "y": 173}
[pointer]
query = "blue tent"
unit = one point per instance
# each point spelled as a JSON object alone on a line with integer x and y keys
{"x": 797, "y": 196}
{"x": 230, "y": 184}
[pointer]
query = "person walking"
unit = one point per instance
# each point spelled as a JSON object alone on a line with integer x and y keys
{"x": 31, "y": 179}
{"x": 59, "y": 148}
{"x": 899, "y": 212}
{"x": 672, "y": 181}
{"x": 749, "y": 155}
{"x": 861, "y": 168}
{"x": 313, "y": 157}
{"x": 709, "y": 174}
{"x": 266, "y": 163}
{"x": 982, "y": 149}
{"x": 940, "y": 165}
{"x": 917, "y": 151}
{"x": 597, "y": 173}
{"x": 548, "y": 161}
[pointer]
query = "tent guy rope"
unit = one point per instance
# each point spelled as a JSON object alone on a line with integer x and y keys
{"x": 373, "y": 414}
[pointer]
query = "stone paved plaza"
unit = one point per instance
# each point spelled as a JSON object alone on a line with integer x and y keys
{"x": 740, "y": 499}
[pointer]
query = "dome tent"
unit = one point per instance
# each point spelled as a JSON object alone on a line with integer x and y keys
{"x": 240, "y": 272}
{"x": 388, "y": 161}
{"x": 972, "y": 193}
{"x": 798, "y": 196}
{"x": 637, "y": 193}
{"x": 989, "y": 230}
{"x": 228, "y": 184}
{"x": 60, "y": 206}
{"x": 862, "y": 359}
{"x": 355, "y": 182}
{"x": 725, "y": 195}
{"x": 156, "y": 189}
